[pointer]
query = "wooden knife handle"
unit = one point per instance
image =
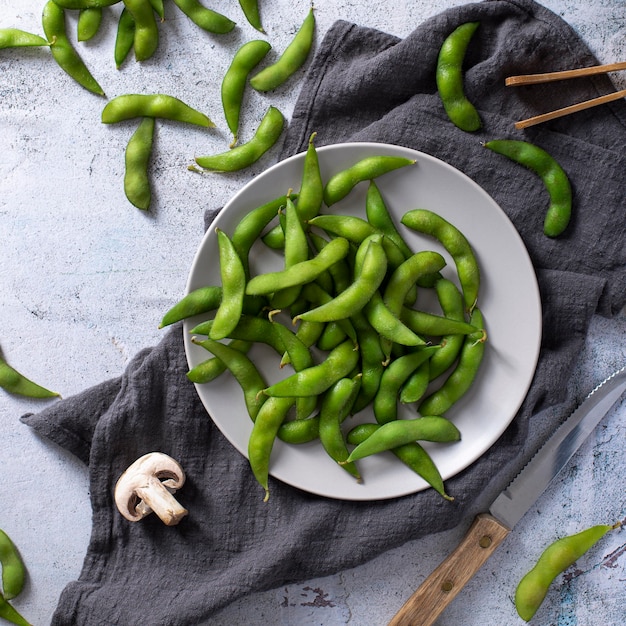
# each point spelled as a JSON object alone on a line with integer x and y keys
{"x": 485, "y": 534}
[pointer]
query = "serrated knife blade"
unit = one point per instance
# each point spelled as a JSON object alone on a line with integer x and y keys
{"x": 489, "y": 530}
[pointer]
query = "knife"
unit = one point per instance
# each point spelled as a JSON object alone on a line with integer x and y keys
{"x": 489, "y": 530}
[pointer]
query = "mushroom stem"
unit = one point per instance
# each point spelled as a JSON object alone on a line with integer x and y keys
{"x": 161, "y": 501}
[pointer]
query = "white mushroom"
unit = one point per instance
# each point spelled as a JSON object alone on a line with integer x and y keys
{"x": 147, "y": 485}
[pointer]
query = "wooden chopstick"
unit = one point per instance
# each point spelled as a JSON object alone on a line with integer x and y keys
{"x": 532, "y": 79}
{"x": 581, "y": 106}
{"x": 547, "y": 77}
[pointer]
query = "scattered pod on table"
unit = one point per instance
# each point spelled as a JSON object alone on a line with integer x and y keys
{"x": 449, "y": 78}
{"x": 205, "y": 18}
{"x": 250, "y": 9}
{"x": 146, "y": 40}
{"x": 137, "y": 159}
{"x": 291, "y": 60}
{"x": 15, "y": 382}
{"x": 16, "y": 38}
{"x": 63, "y": 52}
{"x": 128, "y": 106}
{"x": 554, "y": 178}
{"x": 555, "y": 559}
{"x": 13, "y": 569}
{"x": 248, "y": 56}
{"x": 244, "y": 155}
{"x": 124, "y": 38}
{"x": 88, "y": 24}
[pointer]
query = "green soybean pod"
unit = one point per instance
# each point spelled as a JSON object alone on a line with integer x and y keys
{"x": 124, "y": 37}
{"x": 246, "y": 58}
{"x": 301, "y": 431}
{"x": 556, "y": 558}
{"x": 403, "y": 431}
{"x": 244, "y": 371}
{"x": 366, "y": 281}
{"x": 205, "y": 18}
{"x": 553, "y": 176}
{"x": 335, "y": 407}
{"x": 66, "y": 56}
{"x": 137, "y": 159}
{"x": 296, "y": 251}
{"x": 413, "y": 455}
{"x": 385, "y": 403}
{"x": 210, "y": 369}
{"x": 246, "y": 154}
{"x": 233, "y": 277}
{"x": 458, "y": 383}
{"x": 300, "y": 273}
{"x": 378, "y": 215}
{"x": 252, "y": 224}
{"x": 449, "y": 78}
{"x": 311, "y": 195}
{"x": 198, "y": 301}
{"x": 16, "y": 38}
{"x": 128, "y": 106}
{"x": 13, "y": 570}
{"x": 158, "y": 7}
{"x": 15, "y": 382}
{"x": 457, "y": 245}
{"x": 146, "y": 39}
{"x": 291, "y": 60}
{"x": 250, "y": 9}
{"x": 89, "y": 21}
{"x": 8, "y": 613}
{"x": 315, "y": 380}
{"x": 340, "y": 184}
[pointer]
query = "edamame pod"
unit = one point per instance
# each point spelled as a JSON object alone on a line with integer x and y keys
{"x": 359, "y": 293}
{"x": 243, "y": 369}
{"x": 411, "y": 454}
{"x": 137, "y": 158}
{"x": 553, "y": 176}
{"x": 461, "y": 378}
{"x": 85, "y": 4}
{"x": 291, "y": 60}
{"x": 300, "y": 273}
{"x": 16, "y": 38}
{"x": 315, "y": 380}
{"x": 128, "y": 106}
{"x": 449, "y": 78}
{"x": 89, "y": 21}
{"x": 13, "y": 570}
{"x": 250, "y": 9}
{"x": 457, "y": 245}
{"x": 246, "y": 154}
{"x": 556, "y": 558}
{"x": 340, "y": 184}
{"x": 124, "y": 37}
{"x": 234, "y": 82}
{"x": 15, "y": 382}
{"x": 10, "y": 614}
{"x": 233, "y": 277}
{"x": 66, "y": 56}
{"x": 205, "y": 18}
{"x": 401, "y": 432}
{"x": 335, "y": 407}
{"x": 146, "y": 39}
{"x": 212, "y": 368}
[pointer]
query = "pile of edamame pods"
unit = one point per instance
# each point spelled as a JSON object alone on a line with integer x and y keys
{"x": 340, "y": 313}
{"x": 138, "y": 30}
{"x": 13, "y": 579}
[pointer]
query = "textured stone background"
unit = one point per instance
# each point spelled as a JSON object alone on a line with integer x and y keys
{"x": 85, "y": 278}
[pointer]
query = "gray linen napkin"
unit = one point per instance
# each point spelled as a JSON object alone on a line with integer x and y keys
{"x": 362, "y": 85}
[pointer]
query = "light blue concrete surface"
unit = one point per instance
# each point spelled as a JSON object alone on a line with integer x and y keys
{"x": 85, "y": 278}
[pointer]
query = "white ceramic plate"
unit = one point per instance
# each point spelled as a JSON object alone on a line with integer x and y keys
{"x": 509, "y": 300}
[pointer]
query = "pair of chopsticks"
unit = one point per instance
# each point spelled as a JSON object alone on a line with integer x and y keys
{"x": 532, "y": 79}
